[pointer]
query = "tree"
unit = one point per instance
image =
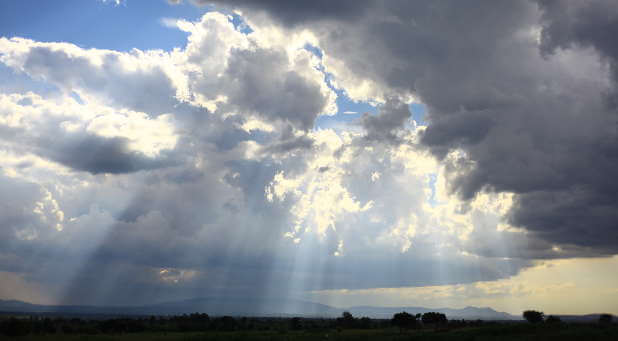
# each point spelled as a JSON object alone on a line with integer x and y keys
{"x": 605, "y": 318}
{"x": 534, "y": 316}
{"x": 433, "y": 318}
{"x": 403, "y": 320}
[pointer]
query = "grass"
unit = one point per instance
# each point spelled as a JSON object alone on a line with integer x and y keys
{"x": 503, "y": 332}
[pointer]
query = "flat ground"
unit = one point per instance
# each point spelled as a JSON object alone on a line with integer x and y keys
{"x": 504, "y": 332}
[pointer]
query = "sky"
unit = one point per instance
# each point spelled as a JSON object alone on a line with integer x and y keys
{"x": 399, "y": 153}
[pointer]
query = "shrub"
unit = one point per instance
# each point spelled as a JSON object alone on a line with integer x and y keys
{"x": 534, "y": 316}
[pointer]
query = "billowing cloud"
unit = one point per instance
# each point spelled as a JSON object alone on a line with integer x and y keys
{"x": 91, "y": 138}
{"x": 141, "y": 81}
{"x": 526, "y": 93}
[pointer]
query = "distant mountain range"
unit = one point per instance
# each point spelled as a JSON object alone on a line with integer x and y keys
{"x": 468, "y": 313}
{"x": 238, "y": 306}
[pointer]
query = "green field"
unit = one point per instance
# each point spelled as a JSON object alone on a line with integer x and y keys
{"x": 586, "y": 332}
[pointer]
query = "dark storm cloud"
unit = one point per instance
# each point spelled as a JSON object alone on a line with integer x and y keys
{"x": 460, "y": 130}
{"x": 584, "y": 23}
{"x": 97, "y": 154}
{"x": 536, "y": 120}
{"x": 584, "y": 217}
{"x": 298, "y": 11}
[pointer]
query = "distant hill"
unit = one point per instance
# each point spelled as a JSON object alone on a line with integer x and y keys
{"x": 25, "y": 307}
{"x": 243, "y": 306}
{"x": 237, "y": 306}
{"x": 468, "y": 313}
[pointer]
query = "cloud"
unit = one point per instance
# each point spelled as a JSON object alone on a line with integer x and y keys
{"x": 297, "y": 12}
{"x": 91, "y": 138}
{"x": 261, "y": 86}
{"x": 141, "y": 81}
{"x": 115, "y": 2}
{"x": 247, "y": 73}
{"x": 393, "y": 117}
{"x": 99, "y": 155}
{"x": 584, "y": 24}
{"x": 507, "y": 90}
{"x": 148, "y": 158}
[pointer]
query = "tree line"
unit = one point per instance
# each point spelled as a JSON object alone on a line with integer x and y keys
{"x": 536, "y": 317}
{"x": 43, "y": 325}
